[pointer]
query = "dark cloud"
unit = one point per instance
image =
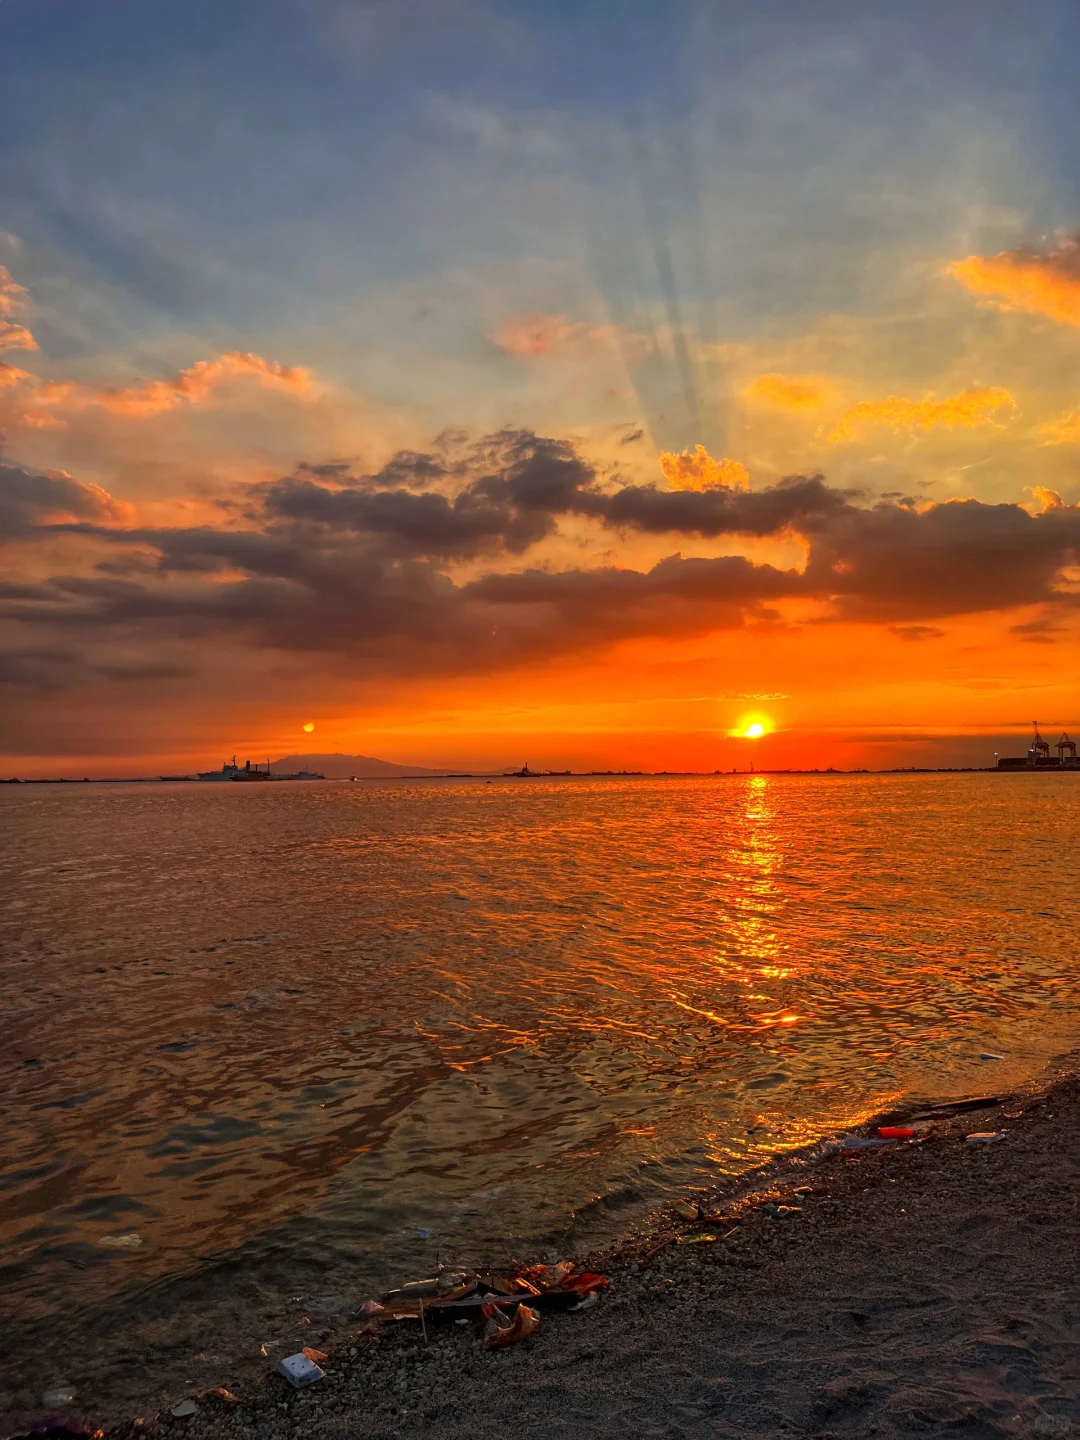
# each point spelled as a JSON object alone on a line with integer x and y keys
{"x": 891, "y": 562}
{"x": 53, "y": 669}
{"x": 29, "y": 499}
{"x": 793, "y": 504}
{"x": 413, "y": 524}
{"x": 914, "y": 633}
{"x": 508, "y": 493}
{"x": 359, "y": 566}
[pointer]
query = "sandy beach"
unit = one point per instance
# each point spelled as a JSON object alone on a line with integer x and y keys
{"x": 924, "y": 1289}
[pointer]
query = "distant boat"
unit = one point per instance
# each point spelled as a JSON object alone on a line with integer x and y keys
{"x": 526, "y": 774}
{"x": 248, "y": 772}
{"x": 228, "y": 771}
{"x": 173, "y": 778}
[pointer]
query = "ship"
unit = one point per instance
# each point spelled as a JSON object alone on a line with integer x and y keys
{"x": 230, "y": 770}
{"x": 526, "y": 774}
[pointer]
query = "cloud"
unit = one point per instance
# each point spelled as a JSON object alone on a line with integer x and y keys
{"x": 1065, "y": 430}
{"x": 506, "y": 494}
{"x": 29, "y": 500}
{"x": 363, "y": 567}
{"x": 697, "y": 470}
{"x": 193, "y": 386}
{"x": 425, "y": 524}
{"x": 14, "y": 299}
{"x": 11, "y": 375}
{"x": 1048, "y": 499}
{"x": 966, "y": 410}
{"x": 57, "y": 670}
{"x": 16, "y": 337}
{"x": 916, "y": 632}
{"x": 790, "y": 392}
{"x": 797, "y": 504}
{"x": 535, "y": 333}
{"x": 1026, "y": 280}
{"x": 896, "y": 564}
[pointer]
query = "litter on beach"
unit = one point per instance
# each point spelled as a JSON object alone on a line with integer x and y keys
{"x": 130, "y": 1241}
{"x": 986, "y": 1137}
{"x": 183, "y": 1408}
{"x": 548, "y": 1277}
{"x": 300, "y": 1371}
{"x": 58, "y": 1398}
{"x": 220, "y": 1393}
{"x": 895, "y": 1132}
{"x": 500, "y": 1329}
{"x": 591, "y": 1299}
{"x": 861, "y": 1142}
{"x": 958, "y": 1107}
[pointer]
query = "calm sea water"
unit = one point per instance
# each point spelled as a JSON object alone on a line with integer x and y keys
{"x": 280, "y": 1033}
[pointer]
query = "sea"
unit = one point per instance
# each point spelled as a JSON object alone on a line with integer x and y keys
{"x": 267, "y": 1049}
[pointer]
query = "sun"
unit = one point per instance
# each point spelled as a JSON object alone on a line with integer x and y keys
{"x": 754, "y": 731}
{"x": 308, "y": 727}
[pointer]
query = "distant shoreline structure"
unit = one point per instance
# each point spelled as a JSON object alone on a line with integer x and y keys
{"x": 1011, "y": 768}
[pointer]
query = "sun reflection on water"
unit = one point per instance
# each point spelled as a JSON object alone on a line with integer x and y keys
{"x": 609, "y": 988}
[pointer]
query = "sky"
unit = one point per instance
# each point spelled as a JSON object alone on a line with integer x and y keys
{"x": 477, "y": 381}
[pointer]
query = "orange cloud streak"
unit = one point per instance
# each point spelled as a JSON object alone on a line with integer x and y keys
{"x": 697, "y": 470}
{"x": 11, "y": 375}
{"x": 154, "y": 397}
{"x": 790, "y": 392}
{"x": 1065, "y": 430}
{"x": 1024, "y": 280}
{"x": 535, "y": 333}
{"x": 968, "y": 409}
{"x": 13, "y": 300}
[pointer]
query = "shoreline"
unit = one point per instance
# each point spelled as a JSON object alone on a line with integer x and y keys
{"x": 562, "y": 775}
{"x": 955, "y": 1304}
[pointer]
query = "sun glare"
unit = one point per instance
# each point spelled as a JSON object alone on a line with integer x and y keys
{"x": 309, "y": 726}
{"x": 754, "y": 731}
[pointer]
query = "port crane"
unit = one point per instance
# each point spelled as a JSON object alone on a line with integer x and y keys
{"x": 1039, "y": 749}
{"x": 1066, "y": 744}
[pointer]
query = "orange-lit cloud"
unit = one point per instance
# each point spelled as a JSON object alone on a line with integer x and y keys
{"x": 536, "y": 333}
{"x": 697, "y": 470}
{"x": 790, "y": 392}
{"x": 1048, "y": 499}
{"x": 1025, "y": 280}
{"x": 1065, "y": 430}
{"x": 192, "y": 386}
{"x": 11, "y": 375}
{"x": 13, "y": 300}
{"x": 29, "y": 500}
{"x": 966, "y": 410}
{"x": 365, "y": 569}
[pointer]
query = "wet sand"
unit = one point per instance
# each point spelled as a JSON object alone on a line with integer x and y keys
{"x": 927, "y": 1289}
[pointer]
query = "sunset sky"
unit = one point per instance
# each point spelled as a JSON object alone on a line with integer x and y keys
{"x": 489, "y": 380}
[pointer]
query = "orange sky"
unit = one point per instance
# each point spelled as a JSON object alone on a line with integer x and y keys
{"x": 591, "y": 499}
